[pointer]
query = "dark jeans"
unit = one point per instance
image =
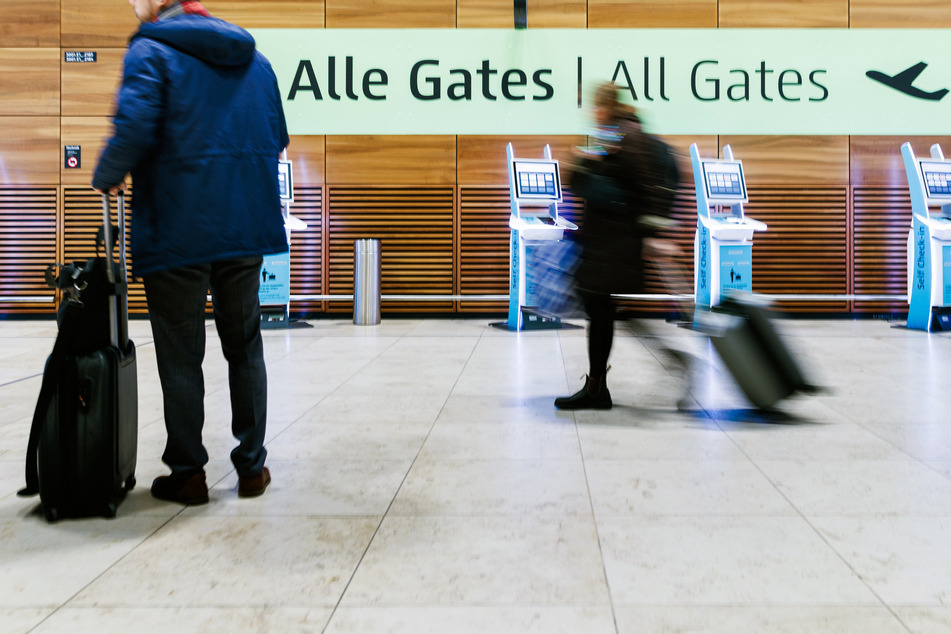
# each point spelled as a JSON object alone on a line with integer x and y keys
{"x": 176, "y": 301}
{"x": 601, "y": 315}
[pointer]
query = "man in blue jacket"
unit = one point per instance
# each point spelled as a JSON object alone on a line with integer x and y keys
{"x": 200, "y": 126}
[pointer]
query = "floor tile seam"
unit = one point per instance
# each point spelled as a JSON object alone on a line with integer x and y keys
{"x": 107, "y": 569}
{"x": 812, "y": 526}
{"x": 924, "y": 462}
{"x": 21, "y": 380}
{"x": 139, "y": 606}
{"x": 591, "y": 510}
{"x": 387, "y": 605}
{"x": 326, "y": 396}
{"x": 760, "y": 606}
{"x": 409, "y": 469}
{"x": 811, "y": 523}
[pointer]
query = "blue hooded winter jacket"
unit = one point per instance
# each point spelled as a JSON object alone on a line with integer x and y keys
{"x": 200, "y": 127}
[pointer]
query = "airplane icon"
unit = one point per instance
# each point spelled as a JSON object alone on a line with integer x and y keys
{"x": 903, "y": 80}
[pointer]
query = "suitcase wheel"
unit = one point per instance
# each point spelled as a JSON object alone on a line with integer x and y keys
{"x": 110, "y": 510}
{"x": 52, "y": 515}
{"x": 130, "y": 483}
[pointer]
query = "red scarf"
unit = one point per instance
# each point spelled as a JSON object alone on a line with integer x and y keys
{"x": 193, "y": 7}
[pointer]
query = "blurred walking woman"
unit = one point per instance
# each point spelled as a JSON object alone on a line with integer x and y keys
{"x": 615, "y": 181}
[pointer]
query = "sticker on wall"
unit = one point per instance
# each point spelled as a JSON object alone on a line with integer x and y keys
{"x": 73, "y": 157}
{"x": 80, "y": 57}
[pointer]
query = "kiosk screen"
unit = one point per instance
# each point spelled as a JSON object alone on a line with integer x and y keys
{"x": 724, "y": 182}
{"x": 936, "y": 176}
{"x": 284, "y": 181}
{"x": 537, "y": 181}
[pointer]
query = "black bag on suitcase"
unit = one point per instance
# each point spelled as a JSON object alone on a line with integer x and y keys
{"x": 752, "y": 350}
{"x": 82, "y": 450}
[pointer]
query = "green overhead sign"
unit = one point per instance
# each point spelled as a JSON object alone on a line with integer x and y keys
{"x": 540, "y": 81}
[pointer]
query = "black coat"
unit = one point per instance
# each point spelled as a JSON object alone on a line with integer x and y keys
{"x": 614, "y": 188}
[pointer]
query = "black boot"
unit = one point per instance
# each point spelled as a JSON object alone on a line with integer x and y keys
{"x": 594, "y": 395}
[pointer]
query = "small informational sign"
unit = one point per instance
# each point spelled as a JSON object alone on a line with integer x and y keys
{"x": 80, "y": 57}
{"x": 285, "y": 181}
{"x": 73, "y": 157}
{"x": 736, "y": 268}
{"x": 275, "y": 289}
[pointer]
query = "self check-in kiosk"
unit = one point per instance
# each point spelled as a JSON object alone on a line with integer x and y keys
{"x": 723, "y": 248}
{"x": 274, "y": 293}
{"x": 929, "y": 241}
{"x": 535, "y": 191}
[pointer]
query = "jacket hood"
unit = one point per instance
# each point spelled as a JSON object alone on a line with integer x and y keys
{"x": 211, "y": 40}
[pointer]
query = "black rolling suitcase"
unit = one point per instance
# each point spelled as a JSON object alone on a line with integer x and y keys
{"x": 82, "y": 449}
{"x": 751, "y": 349}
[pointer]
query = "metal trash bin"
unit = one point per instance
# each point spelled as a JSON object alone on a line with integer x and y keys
{"x": 366, "y": 282}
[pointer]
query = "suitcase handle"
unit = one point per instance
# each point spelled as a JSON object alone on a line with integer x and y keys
{"x": 118, "y": 312}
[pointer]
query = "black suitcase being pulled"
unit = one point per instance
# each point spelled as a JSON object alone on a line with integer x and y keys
{"x": 82, "y": 450}
{"x": 751, "y": 349}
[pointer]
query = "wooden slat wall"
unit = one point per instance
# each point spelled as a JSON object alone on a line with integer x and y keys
{"x": 27, "y": 247}
{"x": 82, "y": 217}
{"x": 388, "y": 185}
{"x": 415, "y": 228}
{"x": 805, "y": 249}
{"x": 881, "y": 223}
{"x": 484, "y": 245}
{"x": 307, "y": 249}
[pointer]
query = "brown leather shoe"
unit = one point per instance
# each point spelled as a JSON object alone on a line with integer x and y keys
{"x": 187, "y": 488}
{"x": 253, "y": 486}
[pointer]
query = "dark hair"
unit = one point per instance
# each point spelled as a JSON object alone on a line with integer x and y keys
{"x": 606, "y": 96}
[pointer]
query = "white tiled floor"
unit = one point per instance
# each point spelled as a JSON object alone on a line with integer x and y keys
{"x": 424, "y": 483}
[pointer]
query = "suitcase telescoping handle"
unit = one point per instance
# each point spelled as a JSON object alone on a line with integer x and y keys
{"x": 118, "y": 311}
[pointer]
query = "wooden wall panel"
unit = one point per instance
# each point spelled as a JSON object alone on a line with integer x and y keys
{"x": 784, "y": 13}
{"x": 484, "y": 246}
{"x": 416, "y": 234}
{"x": 883, "y": 14}
{"x": 91, "y": 134}
{"x": 96, "y": 23}
{"x": 391, "y": 160}
{"x": 307, "y": 249}
{"x": 28, "y": 232}
{"x": 877, "y": 161}
{"x": 33, "y": 23}
{"x": 346, "y": 14}
{"x": 805, "y": 250}
{"x": 639, "y": 14}
{"x": 29, "y": 81}
{"x": 816, "y": 161}
{"x": 82, "y": 218}
{"x": 482, "y": 160}
{"x": 881, "y": 221}
{"x": 89, "y": 88}
{"x": 500, "y": 14}
{"x": 269, "y": 14}
{"x": 29, "y": 150}
{"x": 309, "y": 160}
